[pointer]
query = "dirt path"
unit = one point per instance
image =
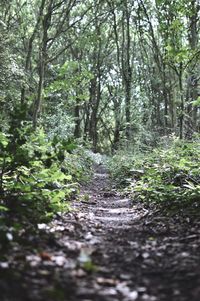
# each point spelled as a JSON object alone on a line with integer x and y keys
{"x": 105, "y": 250}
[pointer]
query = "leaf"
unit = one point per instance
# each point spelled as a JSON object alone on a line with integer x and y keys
{"x": 68, "y": 177}
{"x": 3, "y": 140}
{"x": 45, "y": 256}
{"x": 196, "y": 102}
{"x": 3, "y": 208}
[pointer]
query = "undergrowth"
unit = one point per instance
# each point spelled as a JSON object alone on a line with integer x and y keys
{"x": 38, "y": 177}
{"x": 167, "y": 176}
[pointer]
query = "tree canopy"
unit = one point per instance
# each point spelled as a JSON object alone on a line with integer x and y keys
{"x": 109, "y": 72}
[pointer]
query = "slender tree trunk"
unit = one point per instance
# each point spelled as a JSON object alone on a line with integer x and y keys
{"x": 77, "y": 130}
{"x": 126, "y": 67}
{"x": 181, "y": 117}
{"x": 42, "y": 64}
{"x": 39, "y": 92}
{"x": 116, "y": 99}
{"x": 193, "y": 81}
{"x": 95, "y": 90}
{"x": 30, "y": 48}
{"x": 86, "y": 121}
{"x": 116, "y": 139}
{"x": 95, "y": 95}
{"x": 93, "y": 117}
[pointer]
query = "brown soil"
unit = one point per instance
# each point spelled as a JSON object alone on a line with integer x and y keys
{"x": 107, "y": 249}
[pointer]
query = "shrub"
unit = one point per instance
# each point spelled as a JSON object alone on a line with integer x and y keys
{"x": 165, "y": 175}
{"x": 38, "y": 174}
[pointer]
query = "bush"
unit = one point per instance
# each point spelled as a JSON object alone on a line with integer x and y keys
{"x": 37, "y": 174}
{"x": 165, "y": 175}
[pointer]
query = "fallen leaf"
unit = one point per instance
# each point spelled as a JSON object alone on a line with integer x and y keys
{"x": 45, "y": 256}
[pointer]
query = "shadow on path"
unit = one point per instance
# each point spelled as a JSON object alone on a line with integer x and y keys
{"x": 107, "y": 249}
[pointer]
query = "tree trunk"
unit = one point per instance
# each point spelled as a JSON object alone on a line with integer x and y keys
{"x": 126, "y": 67}
{"x": 181, "y": 117}
{"x": 192, "y": 93}
{"x": 42, "y": 64}
{"x": 77, "y": 130}
{"x": 30, "y": 48}
{"x": 95, "y": 91}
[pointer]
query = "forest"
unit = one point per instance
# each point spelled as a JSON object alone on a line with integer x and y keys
{"x": 99, "y": 150}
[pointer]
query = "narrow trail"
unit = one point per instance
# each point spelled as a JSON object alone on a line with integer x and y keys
{"x": 106, "y": 249}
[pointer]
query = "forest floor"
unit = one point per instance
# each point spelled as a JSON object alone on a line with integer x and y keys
{"x": 107, "y": 249}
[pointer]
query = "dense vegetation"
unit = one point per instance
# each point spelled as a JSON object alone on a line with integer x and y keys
{"x": 167, "y": 176}
{"x": 113, "y": 76}
{"x": 105, "y": 71}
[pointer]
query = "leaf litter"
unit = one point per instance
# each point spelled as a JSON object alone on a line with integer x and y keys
{"x": 106, "y": 250}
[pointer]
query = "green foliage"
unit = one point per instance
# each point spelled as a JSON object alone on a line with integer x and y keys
{"x": 59, "y": 124}
{"x": 79, "y": 165}
{"x": 165, "y": 175}
{"x": 73, "y": 77}
{"x": 39, "y": 174}
{"x": 124, "y": 166}
{"x": 196, "y": 102}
